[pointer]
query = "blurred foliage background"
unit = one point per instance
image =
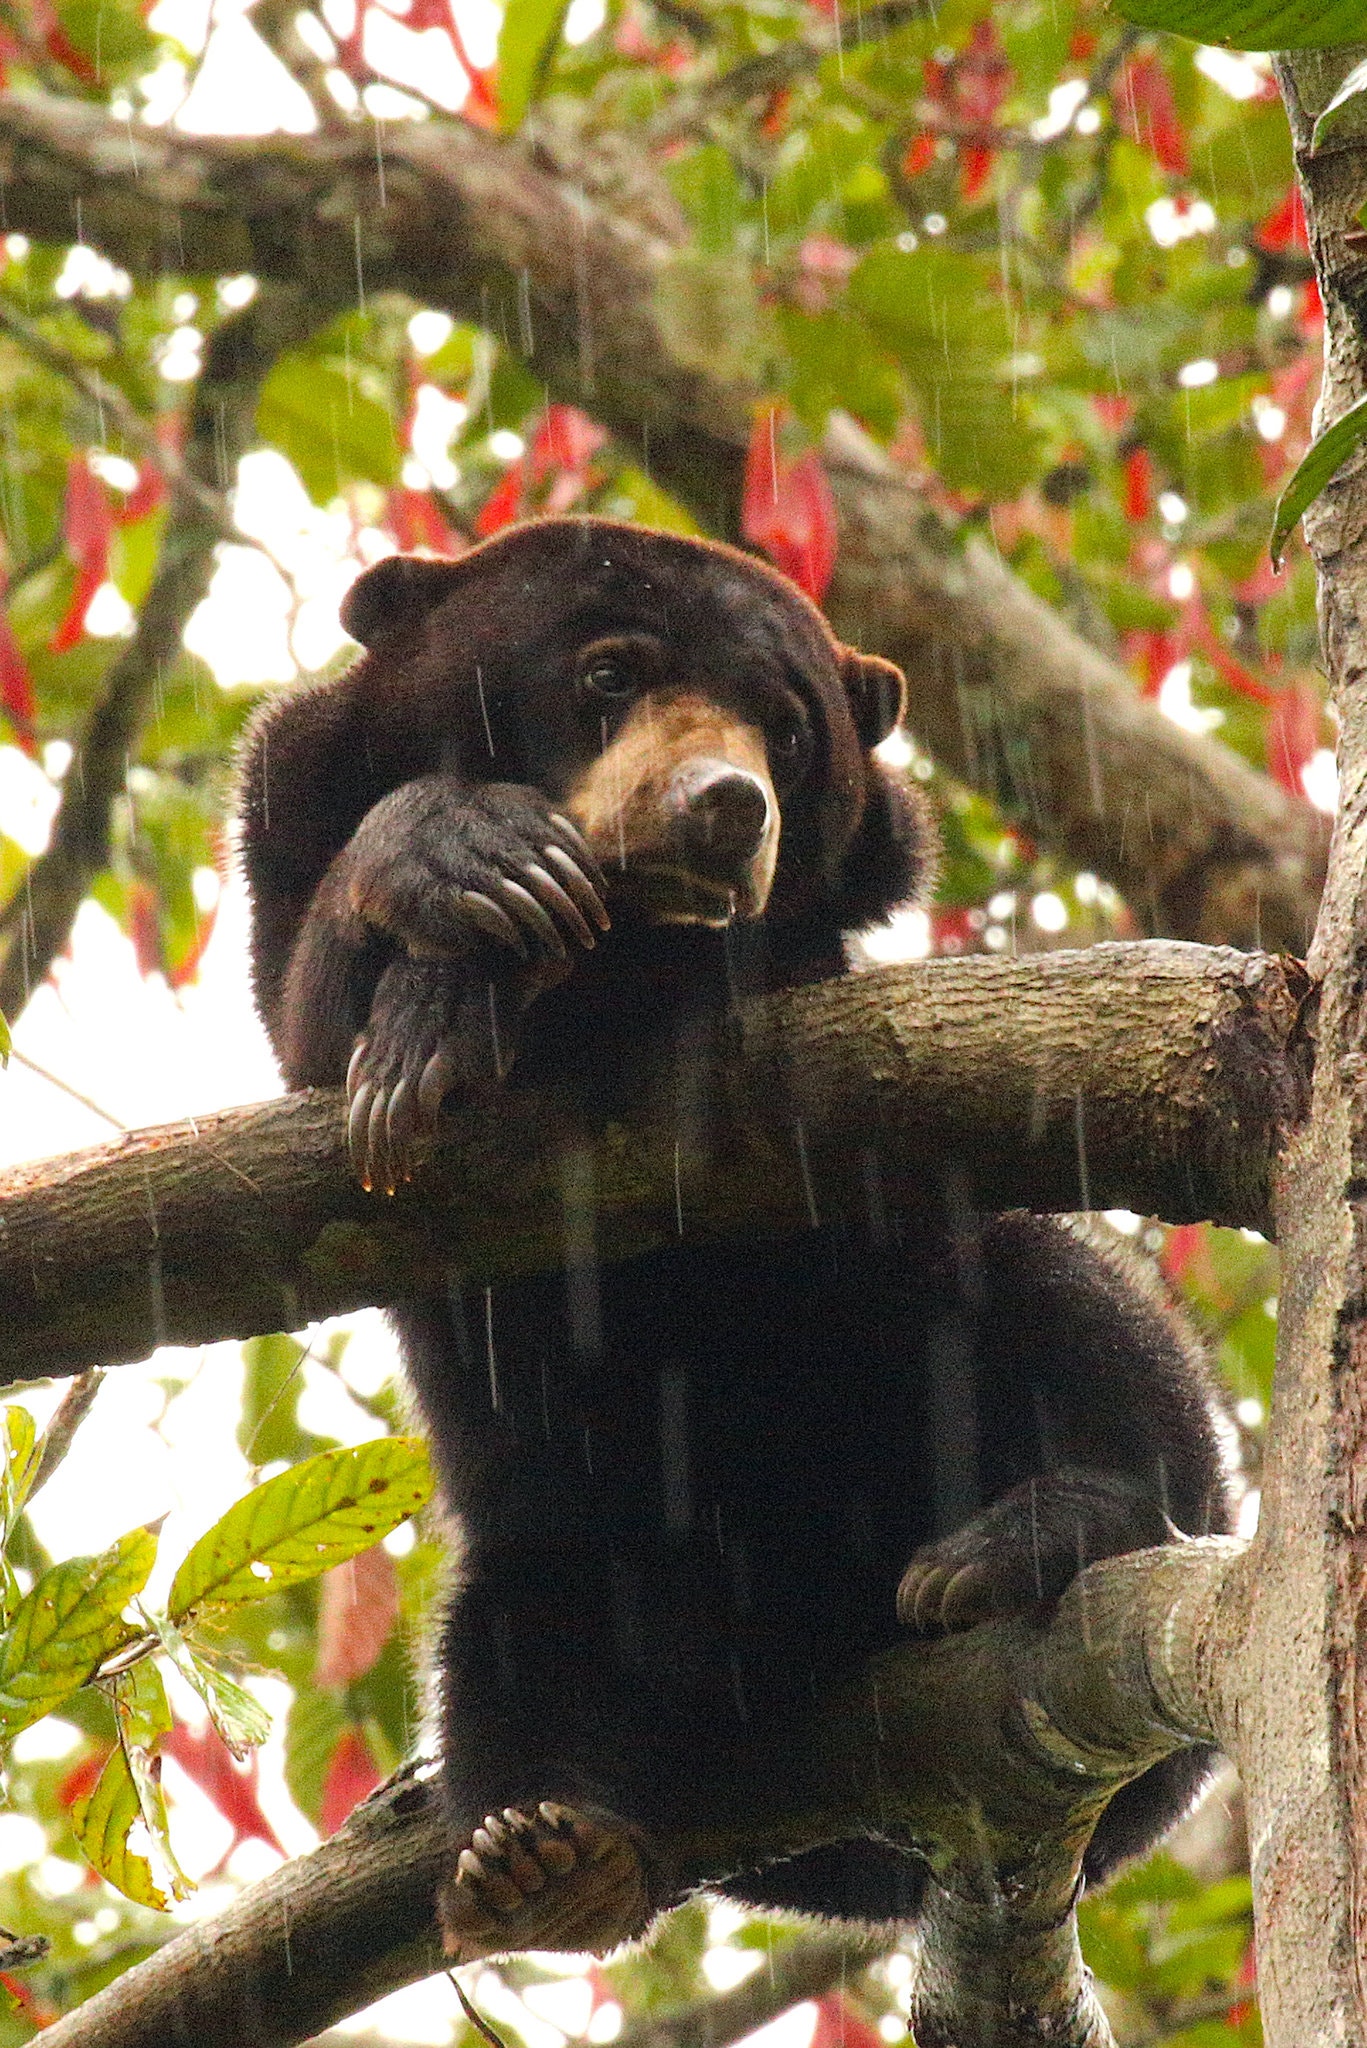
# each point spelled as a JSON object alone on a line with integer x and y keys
{"x": 1056, "y": 268}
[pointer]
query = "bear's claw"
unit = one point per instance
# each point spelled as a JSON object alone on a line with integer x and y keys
{"x": 555, "y": 1878}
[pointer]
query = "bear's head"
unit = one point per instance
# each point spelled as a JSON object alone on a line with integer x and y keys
{"x": 685, "y": 704}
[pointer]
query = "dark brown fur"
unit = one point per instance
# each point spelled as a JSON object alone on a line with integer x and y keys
{"x": 689, "y": 1486}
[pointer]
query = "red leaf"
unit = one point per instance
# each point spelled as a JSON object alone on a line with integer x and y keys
{"x": 774, "y": 120}
{"x": 1226, "y": 665}
{"x": 1155, "y": 653}
{"x": 975, "y": 168}
{"x": 1138, "y": 485}
{"x": 839, "y": 2025}
{"x": 90, "y": 574}
{"x": 1284, "y": 227}
{"x": 83, "y": 1777}
{"x": 1180, "y": 1247}
{"x": 187, "y": 968}
{"x": 232, "y": 1787}
{"x": 1293, "y": 735}
{"x": 787, "y": 508}
{"x": 88, "y": 527}
{"x": 1113, "y": 409}
{"x": 351, "y": 1775}
{"x": 952, "y": 931}
{"x": 1147, "y": 112}
{"x": 565, "y": 438}
{"x": 503, "y": 503}
{"x": 17, "y": 699}
{"x": 147, "y": 493}
{"x": 416, "y": 522}
{"x": 357, "y": 1610}
{"x": 920, "y": 155}
{"x": 144, "y": 928}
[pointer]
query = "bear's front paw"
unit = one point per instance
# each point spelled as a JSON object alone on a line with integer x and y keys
{"x": 1026, "y": 1548}
{"x": 558, "y": 1878}
{"x": 446, "y": 871}
{"x": 433, "y": 1028}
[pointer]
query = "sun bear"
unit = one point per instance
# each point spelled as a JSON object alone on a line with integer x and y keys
{"x": 587, "y": 787}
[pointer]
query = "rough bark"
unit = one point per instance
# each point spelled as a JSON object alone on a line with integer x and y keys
{"x": 1302, "y": 1752}
{"x": 562, "y": 248}
{"x": 1157, "y": 1077}
{"x": 994, "y": 1751}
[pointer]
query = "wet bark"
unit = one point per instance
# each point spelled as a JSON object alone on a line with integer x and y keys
{"x": 1302, "y": 1748}
{"x": 568, "y": 249}
{"x": 995, "y": 1751}
{"x": 1157, "y": 1077}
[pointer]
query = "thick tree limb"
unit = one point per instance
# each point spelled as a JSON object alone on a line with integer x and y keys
{"x": 1156, "y": 1076}
{"x": 1303, "y": 1755}
{"x": 36, "y": 922}
{"x": 993, "y": 1752}
{"x": 567, "y": 249}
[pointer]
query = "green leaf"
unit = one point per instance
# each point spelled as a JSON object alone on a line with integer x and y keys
{"x": 1253, "y": 24}
{"x": 1321, "y": 463}
{"x": 319, "y": 413}
{"x": 20, "y": 1450}
{"x": 1354, "y": 87}
{"x": 6, "y": 1042}
{"x": 302, "y": 1522}
{"x": 141, "y": 1709}
{"x": 64, "y": 1628}
{"x": 102, "y": 1824}
{"x": 312, "y": 1727}
{"x": 240, "y": 1719}
{"x": 527, "y": 42}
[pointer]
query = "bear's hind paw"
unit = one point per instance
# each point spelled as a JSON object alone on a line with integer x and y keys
{"x": 558, "y": 1878}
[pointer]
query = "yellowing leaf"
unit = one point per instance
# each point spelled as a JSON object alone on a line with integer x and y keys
{"x": 301, "y": 1522}
{"x": 239, "y": 1717}
{"x": 142, "y": 1717}
{"x": 19, "y": 1450}
{"x": 66, "y": 1626}
{"x": 102, "y": 1824}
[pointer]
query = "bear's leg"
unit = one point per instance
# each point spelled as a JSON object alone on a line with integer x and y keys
{"x": 863, "y": 1881}
{"x": 539, "y": 1761}
{"x": 1093, "y": 1435}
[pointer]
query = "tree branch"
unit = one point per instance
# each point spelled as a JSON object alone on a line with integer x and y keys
{"x": 1303, "y": 1757}
{"x": 1004, "y": 694}
{"x": 993, "y": 1752}
{"x": 1160, "y": 1077}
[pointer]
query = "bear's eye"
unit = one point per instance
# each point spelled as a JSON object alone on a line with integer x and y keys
{"x": 790, "y": 752}
{"x": 609, "y": 679}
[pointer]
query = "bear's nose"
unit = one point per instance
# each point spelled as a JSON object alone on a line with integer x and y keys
{"x": 720, "y": 812}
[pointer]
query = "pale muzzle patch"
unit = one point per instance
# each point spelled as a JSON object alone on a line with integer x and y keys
{"x": 681, "y": 811}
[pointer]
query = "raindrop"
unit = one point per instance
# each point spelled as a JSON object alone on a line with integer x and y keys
{"x": 1080, "y": 1138}
{"x": 807, "y": 1188}
{"x": 484, "y": 710}
{"x": 494, "y": 1398}
{"x": 360, "y": 277}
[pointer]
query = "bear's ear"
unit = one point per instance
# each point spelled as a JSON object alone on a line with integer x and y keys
{"x": 394, "y": 594}
{"x": 877, "y": 691}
